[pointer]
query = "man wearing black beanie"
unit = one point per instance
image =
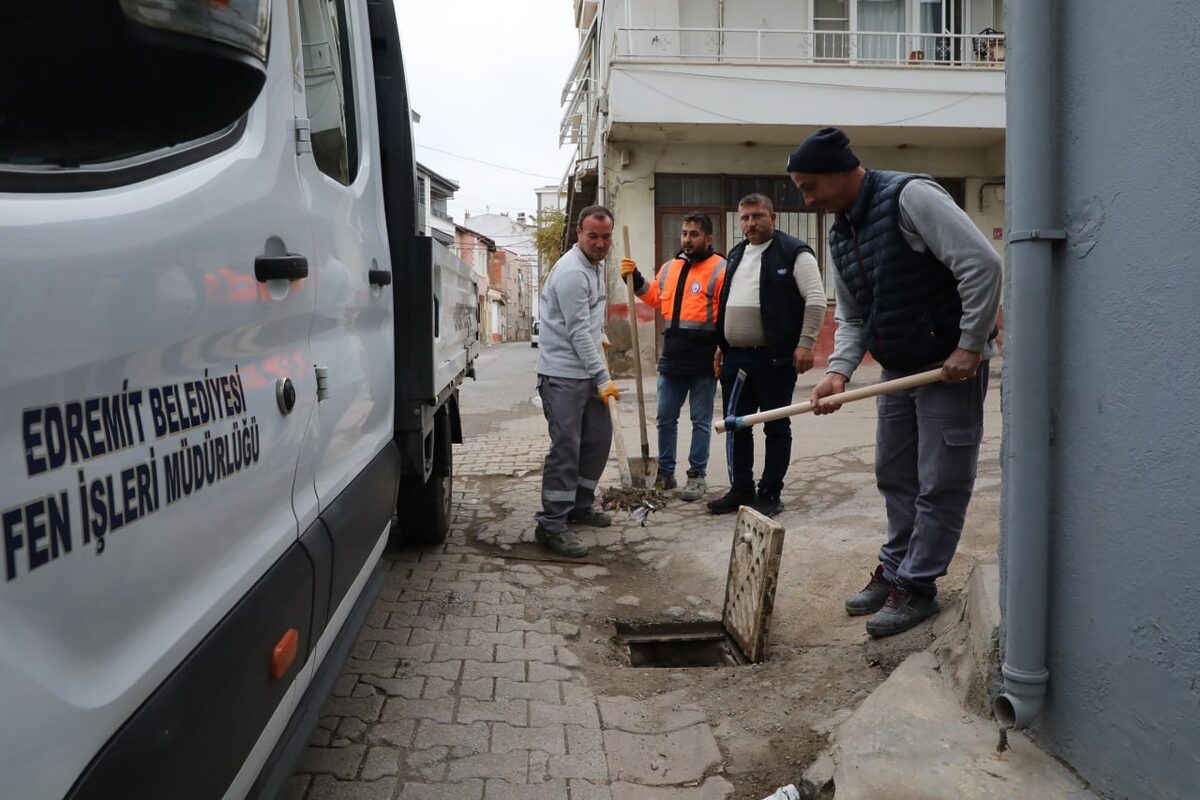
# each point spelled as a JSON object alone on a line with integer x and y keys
{"x": 918, "y": 286}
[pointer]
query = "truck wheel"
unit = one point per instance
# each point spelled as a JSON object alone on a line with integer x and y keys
{"x": 424, "y": 508}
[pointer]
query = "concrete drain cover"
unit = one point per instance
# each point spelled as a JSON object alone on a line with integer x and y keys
{"x": 741, "y": 635}
{"x": 750, "y": 588}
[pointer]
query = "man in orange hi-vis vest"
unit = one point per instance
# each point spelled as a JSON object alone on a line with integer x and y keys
{"x": 687, "y": 290}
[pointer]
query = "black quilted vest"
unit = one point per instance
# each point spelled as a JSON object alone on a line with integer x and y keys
{"x": 780, "y": 300}
{"x": 910, "y": 304}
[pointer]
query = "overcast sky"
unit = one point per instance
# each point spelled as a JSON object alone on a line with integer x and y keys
{"x": 486, "y": 78}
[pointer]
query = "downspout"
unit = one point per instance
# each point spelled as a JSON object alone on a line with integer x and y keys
{"x": 1031, "y": 158}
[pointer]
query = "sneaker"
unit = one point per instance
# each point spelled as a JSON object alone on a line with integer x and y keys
{"x": 589, "y": 516}
{"x": 731, "y": 502}
{"x": 768, "y": 504}
{"x": 564, "y": 544}
{"x": 665, "y": 482}
{"x": 872, "y": 597}
{"x": 902, "y": 610}
{"x": 694, "y": 489}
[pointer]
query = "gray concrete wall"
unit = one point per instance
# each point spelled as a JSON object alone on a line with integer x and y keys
{"x": 1124, "y": 640}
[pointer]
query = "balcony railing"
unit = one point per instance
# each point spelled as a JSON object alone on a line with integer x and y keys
{"x": 751, "y": 45}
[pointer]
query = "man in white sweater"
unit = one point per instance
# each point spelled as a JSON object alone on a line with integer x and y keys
{"x": 771, "y": 310}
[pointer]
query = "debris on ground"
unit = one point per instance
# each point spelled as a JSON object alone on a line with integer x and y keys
{"x": 789, "y": 792}
{"x": 639, "y": 502}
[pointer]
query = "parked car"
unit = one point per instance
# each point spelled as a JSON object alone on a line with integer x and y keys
{"x": 225, "y": 353}
{"x": 533, "y": 337}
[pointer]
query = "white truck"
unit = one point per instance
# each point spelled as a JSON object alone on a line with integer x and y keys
{"x": 227, "y": 361}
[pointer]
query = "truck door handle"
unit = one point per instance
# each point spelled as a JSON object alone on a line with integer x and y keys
{"x": 380, "y": 277}
{"x": 291, "y": 267}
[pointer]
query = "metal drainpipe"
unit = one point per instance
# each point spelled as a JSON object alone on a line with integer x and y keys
{"x": 1031, "y": 157}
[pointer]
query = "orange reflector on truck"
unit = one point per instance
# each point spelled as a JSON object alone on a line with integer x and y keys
{"x": 284, "y": 653}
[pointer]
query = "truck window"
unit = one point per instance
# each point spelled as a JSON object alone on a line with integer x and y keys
{"x": 113, "y": 92}
{"x": 328, "y": 89}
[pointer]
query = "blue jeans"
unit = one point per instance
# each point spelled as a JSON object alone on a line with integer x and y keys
{"x": 672, "y": 389}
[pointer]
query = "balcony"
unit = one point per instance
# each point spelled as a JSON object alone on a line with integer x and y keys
{"x": 798, "y": 47}
{"x": 732, "y": 85}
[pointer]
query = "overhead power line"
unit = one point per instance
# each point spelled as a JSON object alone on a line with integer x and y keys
{"x": 489, "y": 163}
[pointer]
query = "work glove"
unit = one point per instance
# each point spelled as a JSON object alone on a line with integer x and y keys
{"x": 608, "y": 389}
{"x": 629, "y": 267}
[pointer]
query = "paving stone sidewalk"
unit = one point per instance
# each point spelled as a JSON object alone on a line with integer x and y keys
{"x": 462, "y": 686}
{"x": 453, "y": 692}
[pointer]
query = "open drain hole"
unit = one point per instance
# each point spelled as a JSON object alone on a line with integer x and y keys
{"x": 675, "y": 645}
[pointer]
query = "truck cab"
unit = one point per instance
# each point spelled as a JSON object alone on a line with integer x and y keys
{"x": 229, "y": 366}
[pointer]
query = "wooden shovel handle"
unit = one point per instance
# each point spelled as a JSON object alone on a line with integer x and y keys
{"x": 874, "y": 390}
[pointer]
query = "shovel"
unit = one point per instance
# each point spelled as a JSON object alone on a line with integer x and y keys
{"x": 734, "y": 423}
{"x": 624, "y": 462}
{"x": 644, "y": 470}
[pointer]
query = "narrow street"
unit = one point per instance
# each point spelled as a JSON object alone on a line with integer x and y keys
{"x": 489, "y": 670}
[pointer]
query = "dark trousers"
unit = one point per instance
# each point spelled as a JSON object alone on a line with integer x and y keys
{"x": 767, "y": 386}
{"x": 926, "y": 453}
{"x": 580, "y": 436}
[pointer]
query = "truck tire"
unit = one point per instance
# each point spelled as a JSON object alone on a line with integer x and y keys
{"x": 424, "y": 509}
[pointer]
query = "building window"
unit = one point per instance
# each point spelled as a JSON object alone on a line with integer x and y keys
{"x": 831, "y": 21}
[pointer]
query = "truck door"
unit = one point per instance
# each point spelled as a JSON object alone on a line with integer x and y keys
{"x": 351, "y": 340}
{"x": 154, "y": 298}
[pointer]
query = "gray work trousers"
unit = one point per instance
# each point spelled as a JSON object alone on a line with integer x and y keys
{"x": 926, "y": 454}
{"x": 580, "y": 436}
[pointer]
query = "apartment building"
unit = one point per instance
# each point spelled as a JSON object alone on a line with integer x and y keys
{"x": 682, "y": 105}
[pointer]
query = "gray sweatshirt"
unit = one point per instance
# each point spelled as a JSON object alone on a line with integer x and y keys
{"x": 931, "y": 222}
{"x": 571, "y": 319}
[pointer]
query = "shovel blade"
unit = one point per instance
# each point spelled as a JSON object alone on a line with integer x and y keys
{"x": 643, "y": 471}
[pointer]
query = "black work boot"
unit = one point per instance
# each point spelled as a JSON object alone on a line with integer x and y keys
{"x": 903, "y": 609}
{"x": 871, "y": 597}
{"x": 564, "y": 544}
{"x": 665, "y": 482}
{"x": 768, "y": 504}
{"x": 732, "y": 501}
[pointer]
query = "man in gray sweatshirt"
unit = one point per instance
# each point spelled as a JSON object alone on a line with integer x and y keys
{"x": 919, "y": 287}
{"x": 574, "y": 385}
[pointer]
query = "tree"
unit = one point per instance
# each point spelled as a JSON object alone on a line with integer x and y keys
{"x": 548, "y": 241}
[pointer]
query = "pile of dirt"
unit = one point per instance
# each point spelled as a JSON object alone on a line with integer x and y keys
{"x": 638, "y": 502}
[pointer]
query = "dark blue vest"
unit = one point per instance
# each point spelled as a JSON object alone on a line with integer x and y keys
{"x": 910, "y": 304}
{"x": 780, "y": 300}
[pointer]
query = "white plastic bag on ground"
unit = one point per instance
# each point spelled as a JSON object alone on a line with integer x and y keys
{"x": 789, "y": 792}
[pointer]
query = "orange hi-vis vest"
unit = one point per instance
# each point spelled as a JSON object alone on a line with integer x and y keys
{"x": 690, "y": 303}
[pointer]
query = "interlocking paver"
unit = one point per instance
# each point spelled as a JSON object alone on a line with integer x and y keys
{"x": 546, "y": 691}
{"x": 380, "y": 762}
{"x": 510, "y": 639}
{"x": 506, "y": 653}
{"x": 449, "y": 670}
{"x": 404, "y": 708}
{"x": 449, "y": 652}
{"x": 479, "y": 689}
{"x": 514, "y": 712}
{"x": 591, "y": 766}
{"x": 582, "y": 714}
{"x": 397, "y": 734}
{"x": 341, "y": 762}
{"x": 327, "y": 788}
{"x": 366, "y": 708}
{"x": 466, "y": 790}
{"x": 503, "y": 790}
{"x": 514, "y": 670}
{"x": 548, "y": 739}
{"x": 396, "y": 687}
{"x": 512, "y": 766}
{"x": 423, "y": 636}
{"x": 463, "y": 738}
